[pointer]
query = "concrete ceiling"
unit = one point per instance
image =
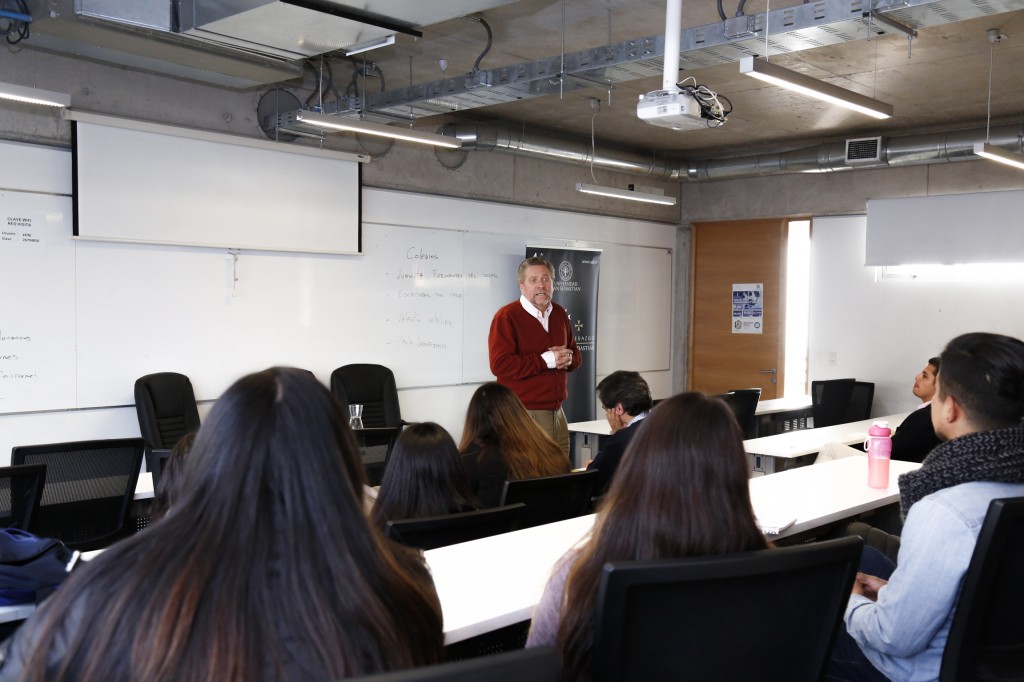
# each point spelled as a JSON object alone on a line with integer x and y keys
{"x": 942, "y": 85}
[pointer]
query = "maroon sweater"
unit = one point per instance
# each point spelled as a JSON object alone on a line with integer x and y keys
{"x": 516, "y": 342}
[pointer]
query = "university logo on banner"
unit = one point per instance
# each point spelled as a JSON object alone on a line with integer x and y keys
{"x": 575, "y": 289}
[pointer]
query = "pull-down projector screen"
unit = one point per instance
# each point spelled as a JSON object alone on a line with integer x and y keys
{"x": 147, "y": 183}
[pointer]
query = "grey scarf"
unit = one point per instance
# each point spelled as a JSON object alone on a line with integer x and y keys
{"x": 996, "y": 455}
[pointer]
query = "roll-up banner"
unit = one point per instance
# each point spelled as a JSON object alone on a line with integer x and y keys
{"x": 575, "y": 289}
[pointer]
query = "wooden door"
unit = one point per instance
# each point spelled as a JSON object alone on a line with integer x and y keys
{"x": 738, "y": 252}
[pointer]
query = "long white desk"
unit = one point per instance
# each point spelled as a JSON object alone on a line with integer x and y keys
{"x": 767, "y": 451}
{"x": 489, "y": 584}
{"x": 144, "y": 488}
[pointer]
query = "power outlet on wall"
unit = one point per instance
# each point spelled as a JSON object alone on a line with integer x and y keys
{"x": 831, "y": 358}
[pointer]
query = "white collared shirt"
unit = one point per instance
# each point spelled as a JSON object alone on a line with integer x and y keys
{"x": 544, "y": 317}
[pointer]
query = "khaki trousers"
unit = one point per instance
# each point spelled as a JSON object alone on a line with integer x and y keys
{"x": 554, "y": 424}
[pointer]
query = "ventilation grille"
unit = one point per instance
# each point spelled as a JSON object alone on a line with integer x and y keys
{"x": 863, "y": 150}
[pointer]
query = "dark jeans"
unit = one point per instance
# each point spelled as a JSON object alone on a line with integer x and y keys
{"x": 848, "y": 663}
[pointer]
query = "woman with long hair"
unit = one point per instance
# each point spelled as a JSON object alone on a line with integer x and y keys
{"x": 264, "y": 568}
{"x": 424, "y": 477}
{"x": 680, "y": 491}
{"x": 501, "y": 442}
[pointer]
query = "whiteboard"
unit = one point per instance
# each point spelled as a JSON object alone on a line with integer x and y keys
{"x": 37, "y": 304}
{"x": 419, "y": 300}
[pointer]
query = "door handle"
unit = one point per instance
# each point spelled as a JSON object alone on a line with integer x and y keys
{"x": 771, "y": 371}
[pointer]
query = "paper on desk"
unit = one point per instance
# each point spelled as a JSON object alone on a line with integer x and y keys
{"x": 774, "y": 521}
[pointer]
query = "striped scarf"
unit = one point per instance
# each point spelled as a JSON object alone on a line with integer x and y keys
{"x": 996, "y": 455}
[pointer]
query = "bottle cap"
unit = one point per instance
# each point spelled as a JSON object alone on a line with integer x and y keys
{"x": 881, "y": 424}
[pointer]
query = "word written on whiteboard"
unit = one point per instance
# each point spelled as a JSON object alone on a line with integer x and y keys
{"x": 22, "y": 230}
{"x": 429, "y": 289}
{"x": 11, "y": 357}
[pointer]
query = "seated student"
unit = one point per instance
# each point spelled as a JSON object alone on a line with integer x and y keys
{"x": 896, "y": 629}
{"x": 424, "y": 477}
{"x": 626, "y": 400}
{"x": 681, "y": 491}
{"x": 501, "y": 442}
{"x": 264, "y": 568}
{"x": 915, "y": 437}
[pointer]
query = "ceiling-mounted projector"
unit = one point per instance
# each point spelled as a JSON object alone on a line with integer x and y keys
{"x": 673, "y": 109}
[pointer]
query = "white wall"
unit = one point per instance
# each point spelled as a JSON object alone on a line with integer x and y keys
{"x": 885, "y": 331}
{"x": 441, "y": 403}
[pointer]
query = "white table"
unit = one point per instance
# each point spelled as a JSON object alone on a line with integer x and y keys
{"x": 778, "y": 405}
{"x": 144, "y": 487}
{"x": 492, "y": 583}
{"x": 824, "y": 493}
{"x": 766, "y": 452}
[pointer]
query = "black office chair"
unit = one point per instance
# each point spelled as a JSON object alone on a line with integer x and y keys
{"x": 538, "y": 664}
{"x": 551, "y": 498}
{"x": 373, "y": 387}
{"x": 830, "y": 400}
{"x": 450, "y": 529}
{"x": 986, "y": 638}
{"x": 763, "y": 615}
{"x": 861, "y": 396}
{"x": 743, "y": 403}
{"x": 21, "y": 489}
{"x": 166, "y": 405}
{"x": 89, "y": 489}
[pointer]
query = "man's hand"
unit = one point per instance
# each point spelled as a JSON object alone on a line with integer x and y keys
{"x": 868, "y": 585}
{"x": 563, "y": 356}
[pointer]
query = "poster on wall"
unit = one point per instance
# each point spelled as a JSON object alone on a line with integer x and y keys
{"x": 747, "y": 308}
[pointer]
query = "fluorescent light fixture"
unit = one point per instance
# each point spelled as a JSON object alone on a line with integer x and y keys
{"x": 46, "y": 98}
{"x": 645, "y": 197}
{"x": 993, "y": 153}
{"x": 370, "y": 128}
{"x": 812, "y": 87}
{"x": 370, "y": 45}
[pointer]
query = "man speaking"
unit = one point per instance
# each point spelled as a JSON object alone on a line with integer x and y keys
{"x": 532, "y": 349}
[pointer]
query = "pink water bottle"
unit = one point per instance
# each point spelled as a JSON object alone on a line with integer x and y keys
{"x": 879, "y": 447}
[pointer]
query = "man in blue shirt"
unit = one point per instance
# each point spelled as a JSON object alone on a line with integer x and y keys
{"x": 897, "y": 628}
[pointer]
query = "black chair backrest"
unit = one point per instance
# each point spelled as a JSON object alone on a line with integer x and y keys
{"x": 450, "y": 529}
{"x": 375, "y": 444}
{"x": 551, "y": 498}
{"x": 21, "y": 489}
{"x": 156, "y": 462}
{"x": 373, "y": 387}
{"x": 743, "y": 403}
{"x": 166, "y": 405}
{"x": 537, "y": 664}
{"x": 763, "y": 615}
{"x": 829, "y": 401}
{"x": 861, "y": 396}
{"x": 986, "y": 638}
{"x": 89, "y": 489}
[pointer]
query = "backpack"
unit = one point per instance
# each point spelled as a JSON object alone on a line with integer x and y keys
{"x": 31, "y": 567}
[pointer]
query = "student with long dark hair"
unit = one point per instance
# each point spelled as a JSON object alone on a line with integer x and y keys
{"x": 264, "y": 568}
{"x": 500, "y": 442}
{"x": 680, "y": 491}
{"x": 424, "y": 477}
